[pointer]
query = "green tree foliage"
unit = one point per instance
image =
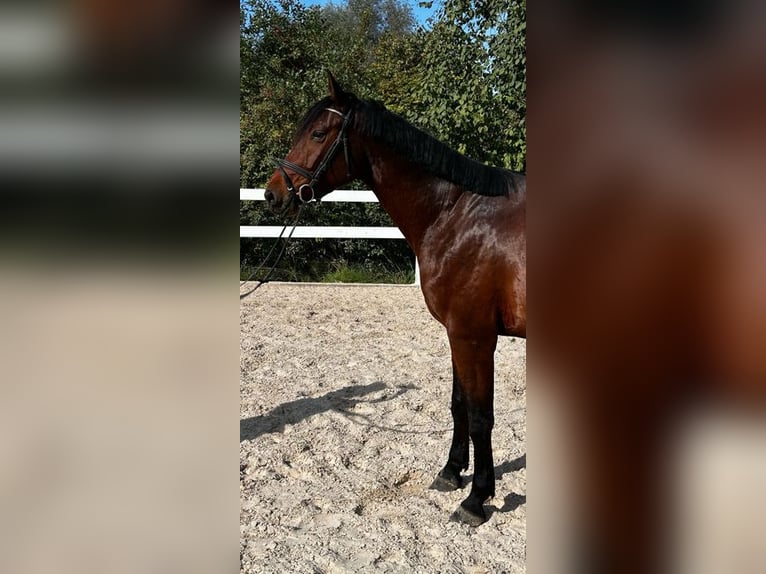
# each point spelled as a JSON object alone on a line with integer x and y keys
{"x": 395, "y": 68}
{"x": 284, "y": 49}
{"x": 285, "y": 52}
{"x": 471, "y": 85}
{"x": 464, "y": 80}
{"x": 370, "y": 19}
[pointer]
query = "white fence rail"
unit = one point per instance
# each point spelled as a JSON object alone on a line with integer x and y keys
{"x": 327, "y": 232}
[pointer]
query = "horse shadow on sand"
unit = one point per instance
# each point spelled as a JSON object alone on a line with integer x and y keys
{"x": 513, "y": 500}
{"x": 340, "y": 400}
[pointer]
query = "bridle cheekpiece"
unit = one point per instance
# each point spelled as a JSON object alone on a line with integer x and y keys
{"x": 314, "y": 177}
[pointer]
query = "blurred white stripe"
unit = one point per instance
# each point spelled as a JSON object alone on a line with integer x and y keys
{"x": 33, "y": 41}
{"x": 147, "y": 137}
{"x": 329, "y": 232}
{"x": 339, "y": 195}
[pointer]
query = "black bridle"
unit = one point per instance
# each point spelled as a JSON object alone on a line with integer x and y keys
{"x": 314, "y": 177}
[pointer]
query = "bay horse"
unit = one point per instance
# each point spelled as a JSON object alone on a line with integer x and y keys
{"x": 466, "y": 223}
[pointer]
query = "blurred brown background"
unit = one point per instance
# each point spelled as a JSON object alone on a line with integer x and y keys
{"x": 647, "y": 133}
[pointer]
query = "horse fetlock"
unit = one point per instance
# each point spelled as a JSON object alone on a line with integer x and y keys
{"x": 482, "y": 491}
{"x": 458, "y": 462}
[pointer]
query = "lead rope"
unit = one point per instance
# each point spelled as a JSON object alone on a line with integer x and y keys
{"x": 268, "y": 255}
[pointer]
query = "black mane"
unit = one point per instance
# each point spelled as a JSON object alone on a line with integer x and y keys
{"x": 373, "y": 119}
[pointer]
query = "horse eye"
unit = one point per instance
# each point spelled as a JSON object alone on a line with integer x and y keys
{"x": 318, "y": 136}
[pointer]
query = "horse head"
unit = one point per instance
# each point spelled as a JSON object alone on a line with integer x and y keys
{"x": 320, "y": 159}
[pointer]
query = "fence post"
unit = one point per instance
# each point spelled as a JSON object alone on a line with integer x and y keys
{"x": 417, "y": 273}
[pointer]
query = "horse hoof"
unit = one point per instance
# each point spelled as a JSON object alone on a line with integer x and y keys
{"x": 465, "y": 516}
{"x": 445, "y": 484}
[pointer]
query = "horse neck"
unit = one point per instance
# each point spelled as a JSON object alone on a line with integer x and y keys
{"x": 412, "y": 197}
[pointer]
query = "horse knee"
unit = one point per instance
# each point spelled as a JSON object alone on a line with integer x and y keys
{"x": 480, "y": 421}
{"x": 458, "y": 407}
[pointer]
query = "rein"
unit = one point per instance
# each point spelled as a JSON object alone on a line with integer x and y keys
{"x": 314, "y": 177}
{"x": 268, "y": 255}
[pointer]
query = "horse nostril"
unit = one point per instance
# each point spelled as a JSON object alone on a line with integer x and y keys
{"x": 269, "y": 196}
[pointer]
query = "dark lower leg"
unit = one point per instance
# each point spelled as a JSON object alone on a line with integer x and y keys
{"x": 474, "y": 362}
{"x": 483, "y": 487}
{"x": 449, "y": 477}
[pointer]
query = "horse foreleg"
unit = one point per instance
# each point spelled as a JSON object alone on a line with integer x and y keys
{"x": 449, "y": 477}
{"x": 474, "y": 362}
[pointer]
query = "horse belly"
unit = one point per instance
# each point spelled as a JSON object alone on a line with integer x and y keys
{"x": 513, "y": 308}
{"x": 513, "y": 294}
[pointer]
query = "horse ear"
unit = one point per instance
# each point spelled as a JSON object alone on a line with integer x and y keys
{"x": 336, "y": 92}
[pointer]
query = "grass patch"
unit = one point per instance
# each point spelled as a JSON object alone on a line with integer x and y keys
{"x": 339, "y": 272}
{"x": 344, "y": 273}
